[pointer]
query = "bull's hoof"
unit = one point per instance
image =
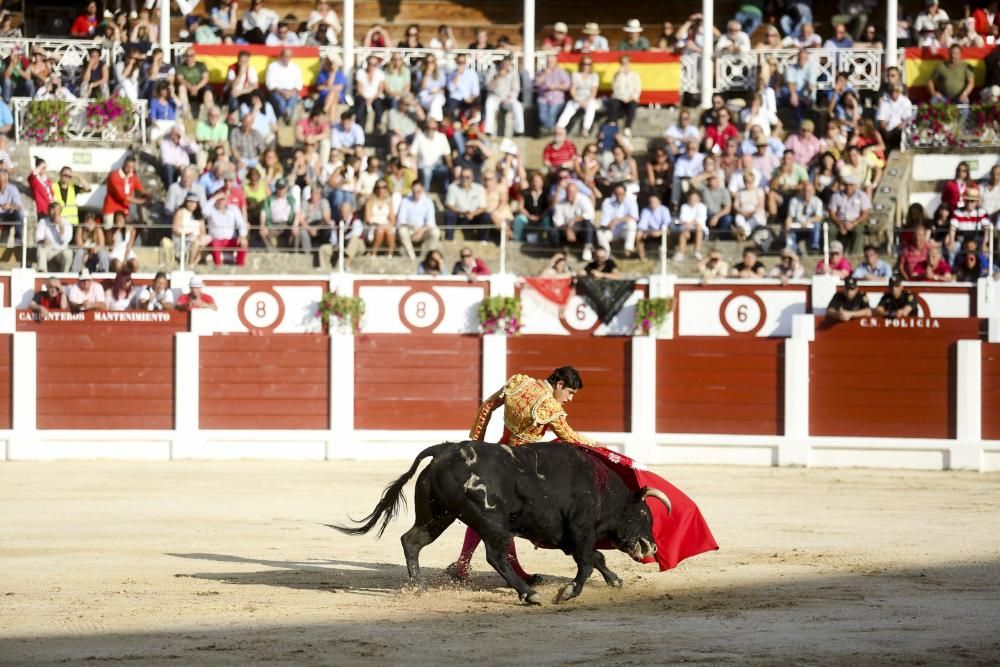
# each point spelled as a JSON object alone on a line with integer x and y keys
{"x": 616, "y": 582}
{"x": 532, "y": 599}
{"x": 567, "y": 592}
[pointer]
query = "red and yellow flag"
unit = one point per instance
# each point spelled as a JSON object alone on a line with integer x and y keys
{"x": 218, "y": 58}
{"x": 660, "y": 72}
{"x": 920, "y": 64}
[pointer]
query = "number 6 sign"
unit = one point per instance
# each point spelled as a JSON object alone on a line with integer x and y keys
{"x": 742, "y": 314}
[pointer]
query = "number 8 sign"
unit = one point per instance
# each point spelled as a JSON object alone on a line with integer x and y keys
{"x": 261, "y": 310}
{"x": 742, "y": 314}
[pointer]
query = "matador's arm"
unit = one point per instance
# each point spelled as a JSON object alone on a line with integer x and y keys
{"x": 565, "y": 432}
{"x": 483, "y": 416}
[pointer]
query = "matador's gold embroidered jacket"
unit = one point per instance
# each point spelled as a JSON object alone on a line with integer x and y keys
{"x": 528, "y": 410}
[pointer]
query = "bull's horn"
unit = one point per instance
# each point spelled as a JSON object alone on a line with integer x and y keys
{"x": 659, "y": 495}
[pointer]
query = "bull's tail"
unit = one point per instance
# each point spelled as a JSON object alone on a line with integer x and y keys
{"x": 392, "y": 499}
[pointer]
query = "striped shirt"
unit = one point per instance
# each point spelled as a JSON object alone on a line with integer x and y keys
{"x": 968, "y": 220}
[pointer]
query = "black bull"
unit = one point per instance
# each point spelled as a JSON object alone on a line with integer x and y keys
{"x": 552, "y": 494}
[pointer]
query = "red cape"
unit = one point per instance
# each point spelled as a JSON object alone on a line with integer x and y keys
{"x": 680, "y": 534}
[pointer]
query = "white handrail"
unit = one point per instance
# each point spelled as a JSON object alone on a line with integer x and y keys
{"x": 503, "y": 248}
{"x": 340, "y": 246}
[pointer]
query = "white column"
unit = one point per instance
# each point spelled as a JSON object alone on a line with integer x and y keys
{"x": 707, "y": 60}
{"x": 22, "y": 287}
{"x": 794, "y": 446}
{"x": 348, "y": 41}
{"x": 343, "y": 440}
{"x": 165, "y": 29}
{"x": 494, "y": 374}
{"x": 640, "y": 443}
{"x": 891, "y": 20}
{"x": 24, "y": 399}
{"x": 188, "y": 442}
{"x": 528, "y": 47}
{"x": 967, "y": 452}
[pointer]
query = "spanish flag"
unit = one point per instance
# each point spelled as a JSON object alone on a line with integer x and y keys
{"x": 218, "y": 58}
{"x": 921, "y": 62}
{"x": 660, "y": 72}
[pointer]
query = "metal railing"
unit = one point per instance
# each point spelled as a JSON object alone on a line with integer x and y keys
{"x": 80, "y": 128}
{"x": 69, "y": 54}
{"x": 740, "y": 71}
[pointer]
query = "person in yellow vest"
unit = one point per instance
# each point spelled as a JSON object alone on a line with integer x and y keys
{"x": 530, "y": 408}
{"x": 65, "y": 192}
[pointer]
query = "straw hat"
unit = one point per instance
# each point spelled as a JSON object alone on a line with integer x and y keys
{"x": 633, "y": 25}
{"x": 591, "y": 28}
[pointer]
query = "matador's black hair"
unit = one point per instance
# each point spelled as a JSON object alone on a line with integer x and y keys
{"x": 569, "y": 377}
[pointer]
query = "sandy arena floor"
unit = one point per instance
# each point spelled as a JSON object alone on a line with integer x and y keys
{"x": 225, "y": 563}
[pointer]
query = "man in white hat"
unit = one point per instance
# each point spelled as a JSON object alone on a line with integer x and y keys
{"x": 634, "y": 41}
{"x": 558, "y": 39}
{"x": 592, "y": 39}
{"x": 86, "y": 294}
{"x": 196, "y": 298}
{"x": 849, "y": 212}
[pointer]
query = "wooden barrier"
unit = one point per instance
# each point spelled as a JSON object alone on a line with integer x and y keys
{"x": 105, "y": 370}
{"x": 264, "y": 382}
{"x": 720, "y": 385}
{"x": 879, "y": 378}
{"x": 604, "y": 363}
{"x": 991, "y": 391}
{"x": 416, "y": 381}
{"x": 6, "y": 378}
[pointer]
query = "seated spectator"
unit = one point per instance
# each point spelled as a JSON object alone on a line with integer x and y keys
{"x": 756, "y": 137}
{"x": 433, "y": 88}
{"x": 279, "y": 215}
{"x": 786, "y": 182}
{"x": 188, "y": 231}
{"x": 583, "y": 96}
{"x": 849, "y": 304}
{"x": 11, "y": 209}
{"x": 86, "y": 294}
{"x": 633, "y": 41}
{"x": 91, "y": 251}
{"x": 258, "y": 22}
{"x": 241, "y": 81}
{"x": 619, "y": 219}
{"x": 463, "y": 87}
{"x": 954, "y": 190}
{"x": 894, "y": 111}
{"x": 720, "y": 132}
{"x": 966, "y": 221}
{"x": 626, "y": 88}
{"x": 602, "y": 266}
{"x": 415, "y": 221}
{"x": 121, "y": 293}
{"x": 713, "y": 266}
{"x": 760, "y": 116}
{"x": 826, "y": 177}
{"x": 938, "y": 269}
{"x": 734, "y": 40}
{"x": 380, "y": 215}
{"x": 897, "y": 301}
{"x": 96, "y": 77}
{"x": 85, "y": 25}
{"x": 765, "y": 162}
{"x": 121, "y": 239}
{"x": 872, "y": 268}
{"x": 718, "y": 202}
{"x": 264, "y": 119}
{"x": 404, "y": 120}
{"x": 53, "y": 237}
{"x": 246, "y": 144}
{"x": 558, "y": 39}
{"x": 912, "y": 263}
{"x": 970, "y": 264}
{"x": 282, "y": 36}
{"x": 750, "y": 267}
{"x": 227, "y": 229}
{"x": 560, "y": 152}
{"x": 504, "y": 91}
{"x": 497, "y": 207}
{"x": 469, "y": 265}
{"x": 316, "y": 219}
{"x": 990, "y": 194}
{"x": 192, "y": 81}
{"x": 50, "y": 297}
{"x": 53, "y": 89}
{"x": 667, "y": 41}
{"x": 377, "y": 37}
{"x": 799, "y": 90}
{"x": 687, "y": 166}
{"x": 534, "y": 216}
{"x": 692, "y": 221}
{"x": 178, "y": 191}
{"x": 841, "y": 39}
{"x": 574, "y": 212}
{"x": 158, "y": 296}
{"x": 804, "y": 219}
{"x": 432, "y": 264}
{"x": 284, "y": 82}
{"x": 952, "y": 81}
{"x": 353, "y": 228}
{"x": 856, "y": 167}
{"x": 789, "y": 268}
{"x": 433, "y": 155}
{"x": 739, "y": 178}
{"x": 850, "y": 210}
{"x": 679, "y": 135}
{"x": 176, "y": 154}
{"x": 347, "y": 135}
{"x": 621, "y": 170}
{"x": 838, "y": 266}
{"x": 465, "y": 204}
{"x": 196, "y": 296}
{"x": 211, "y": 134}
{"x": 591, "y": 40}
{"x": 369, "y": 92}
{"x": 803, "y": 144}
{"x": 473, "y": 156}
{"x": 748, "y": 207}
{"x": 558, "y": 267}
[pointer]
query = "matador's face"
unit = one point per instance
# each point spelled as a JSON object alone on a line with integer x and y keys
{"x": 562, "y": 393}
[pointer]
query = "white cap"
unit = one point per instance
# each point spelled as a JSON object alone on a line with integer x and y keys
{"x": 508, "y": 146}
{"x": 196, "y": 281}
{"x": 84, "y": 274}
{"x": 560, "y": 27}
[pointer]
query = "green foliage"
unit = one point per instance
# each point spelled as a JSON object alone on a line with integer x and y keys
{"x": 346, "y": 309}
{"x": 500, "y": 313}
{"x": 650, "y": 314}
{"x": 46, "y": 121}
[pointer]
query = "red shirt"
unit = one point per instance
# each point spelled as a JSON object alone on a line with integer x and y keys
{"x": 41, "y": 190}
{"x": 237, "y": 197}
{"x": 557, "y": 157}
{"x": 954, "y": 194}
{"x": 913, "y": 262}
{"x": 120, "y": 191}
{"x": 720, "y": 136}
{"x": 84, "y": 26}
{"x": 184, "y": 301}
